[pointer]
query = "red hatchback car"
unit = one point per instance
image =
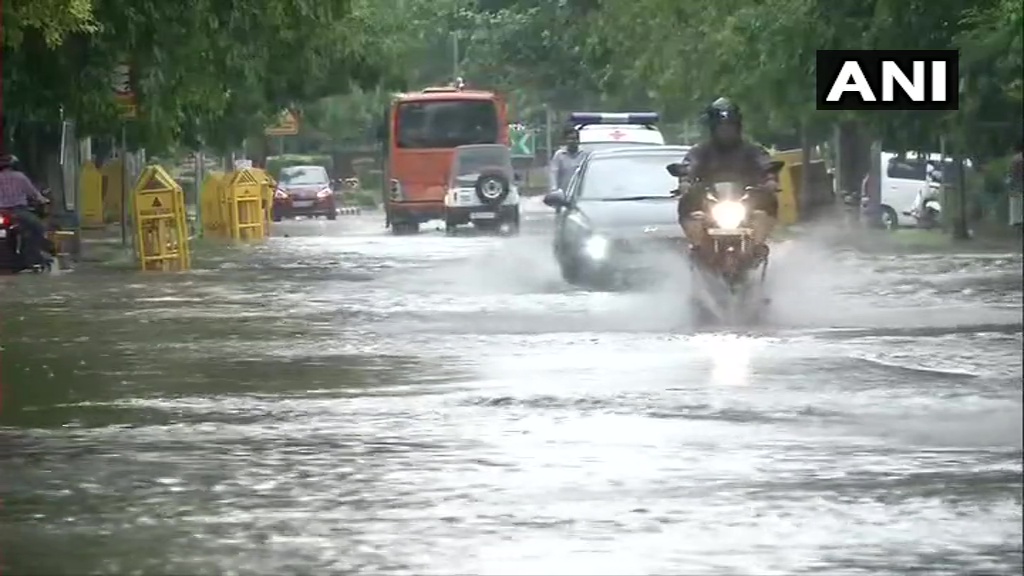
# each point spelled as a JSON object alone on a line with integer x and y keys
{"x": 304, "y": 191}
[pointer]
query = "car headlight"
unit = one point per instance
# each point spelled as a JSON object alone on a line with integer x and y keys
{"x": 729, "y": 214}
{"x": 596, "y": 247}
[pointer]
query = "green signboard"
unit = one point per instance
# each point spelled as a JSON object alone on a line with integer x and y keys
{"x": 523, "y": 143}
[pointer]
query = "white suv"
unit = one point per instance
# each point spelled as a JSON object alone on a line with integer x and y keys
{"x": 599, "y": 130}
{"x": 482, "y": 190}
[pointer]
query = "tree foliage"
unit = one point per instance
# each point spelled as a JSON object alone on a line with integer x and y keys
{"x": 762, "y": 54}
{"x": 206, "y": 70}
{"x": 213, "y": 71}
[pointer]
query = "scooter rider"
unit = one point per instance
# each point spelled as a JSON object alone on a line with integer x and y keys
{"x": 726, "y": 156}
{"x": 930, "y": 191}
{"x": 566, "y": 160}
{"x": 16, "y": 193}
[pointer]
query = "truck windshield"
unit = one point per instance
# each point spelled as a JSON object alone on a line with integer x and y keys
{"x": 446, "y": 123}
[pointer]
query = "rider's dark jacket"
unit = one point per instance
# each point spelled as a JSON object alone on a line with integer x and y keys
{"x": 745, "y": 162}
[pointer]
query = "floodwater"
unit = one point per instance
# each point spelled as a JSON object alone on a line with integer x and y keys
{"x": 340, "y": 401}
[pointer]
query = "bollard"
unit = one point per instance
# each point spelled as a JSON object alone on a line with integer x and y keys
{"x": 245, "y": 206}
{"x": 90, "y": 190}
{"x": 160, "y": 222}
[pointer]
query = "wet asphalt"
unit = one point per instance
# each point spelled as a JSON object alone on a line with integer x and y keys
{"x": 342, "y": 401}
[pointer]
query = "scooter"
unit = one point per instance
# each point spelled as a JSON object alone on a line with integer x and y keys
{"x": 927, "y": 208}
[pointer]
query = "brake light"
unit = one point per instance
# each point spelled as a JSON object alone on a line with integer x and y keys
{"x": 4, "y": 220}
{"x": 280, "y": 194}
{"x": 632, "y": 118}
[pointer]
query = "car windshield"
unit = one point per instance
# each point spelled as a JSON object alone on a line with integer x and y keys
{"x": 303, "y": 176}
{"x": 628, "y": 176}
{"x": 471, "y": 160}
{"x": 446, "y": 124}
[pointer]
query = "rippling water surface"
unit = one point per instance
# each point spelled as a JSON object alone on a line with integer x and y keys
{"x": 358, "y": 403}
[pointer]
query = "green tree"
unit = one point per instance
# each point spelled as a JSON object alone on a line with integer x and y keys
{"x": 204, "y": 69}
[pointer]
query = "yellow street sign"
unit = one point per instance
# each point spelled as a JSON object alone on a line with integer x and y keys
{"x": 287, "y": 125}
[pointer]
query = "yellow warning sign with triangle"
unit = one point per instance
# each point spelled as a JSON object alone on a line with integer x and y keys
{"x": 287, "y": 125}
{"x": 156, "y": 203}
{"x": 155, "y": 179}
{"x": 245, "y": 178}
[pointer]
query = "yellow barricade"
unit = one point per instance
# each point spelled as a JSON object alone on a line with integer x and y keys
{"x": 161, "y": 222}
{"x": 212, "y": 214}
{"x": 244, "y": 200}
{"x": 90, "y": 190}
{"x": 791, "y": 197}
{"x": 112, "y": 173}
{"x": 267, "y": 185}
{"x": 789, "y": 207}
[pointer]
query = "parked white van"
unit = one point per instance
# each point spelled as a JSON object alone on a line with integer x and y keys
{"x": 903, "y": 177}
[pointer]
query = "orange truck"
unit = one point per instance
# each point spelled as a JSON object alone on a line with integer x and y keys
{"x": 421, "y": 131}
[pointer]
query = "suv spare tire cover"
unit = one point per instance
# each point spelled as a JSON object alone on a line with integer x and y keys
{"x": 492, "y": 187}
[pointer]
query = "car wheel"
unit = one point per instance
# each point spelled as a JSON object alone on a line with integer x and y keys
{"x": 332, "y": 215}
{"x": 509, "y": 227}
{"x": 570, "y": 272}
{"x": 889, "y": 219}
{"x": 404, "y": 228}
{"x": 276, "y": 217}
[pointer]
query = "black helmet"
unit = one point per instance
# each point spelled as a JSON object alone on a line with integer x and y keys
{"x": 722, "y": 110}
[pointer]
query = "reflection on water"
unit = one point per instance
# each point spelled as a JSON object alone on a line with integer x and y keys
{"x": 369, "y": 404}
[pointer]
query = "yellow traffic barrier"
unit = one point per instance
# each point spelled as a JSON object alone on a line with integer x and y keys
{"x": 267, "y": 186}
{"x": 112, "y": 173}
{"x": 90, "y": 190}
{"x": 789, "y": 207}
{"x": 161, "y": 223}
{"x": 244, "y": 199}
{"x": 791, "y": 198}
{"x": 212, "y": 214}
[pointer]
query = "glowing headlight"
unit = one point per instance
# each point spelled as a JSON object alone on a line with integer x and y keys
{"x": 596, "y": 247}
{"x": 728, "y": 214}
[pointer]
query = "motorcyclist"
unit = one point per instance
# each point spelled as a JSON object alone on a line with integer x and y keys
{"x": 566, "y": 160}
{"x": 16, "y": 194}
{"x": 726, "y": 156}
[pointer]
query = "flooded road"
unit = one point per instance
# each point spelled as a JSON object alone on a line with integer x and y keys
{"x": 340, "y": 401}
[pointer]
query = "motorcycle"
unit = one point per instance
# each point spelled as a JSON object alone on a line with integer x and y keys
{"x": 729, "y": 273}
{"x": 12, "y": 258}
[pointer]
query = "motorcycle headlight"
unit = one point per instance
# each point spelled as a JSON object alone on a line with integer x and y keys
{"x": 596, "y": 247}
{"x": 729, "y": 214}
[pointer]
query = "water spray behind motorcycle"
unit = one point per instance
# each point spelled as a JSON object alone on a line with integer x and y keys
{"x": 724, "y": 287}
